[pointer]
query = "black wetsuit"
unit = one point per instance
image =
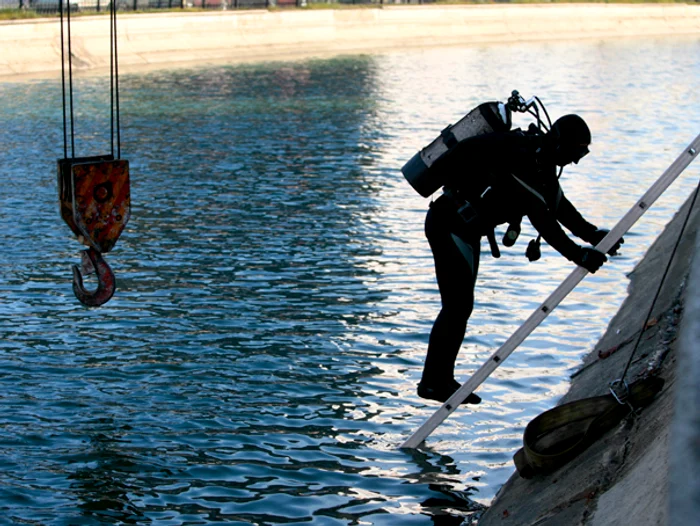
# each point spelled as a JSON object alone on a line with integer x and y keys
{"x": 503, "y": 176}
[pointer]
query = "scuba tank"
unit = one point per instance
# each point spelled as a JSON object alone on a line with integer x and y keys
{"x": 485, "y": 118}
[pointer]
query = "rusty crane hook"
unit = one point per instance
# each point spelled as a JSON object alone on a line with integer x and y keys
{"x": 92, "y": 261}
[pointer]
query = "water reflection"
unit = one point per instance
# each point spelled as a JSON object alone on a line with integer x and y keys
{"x": 102, "y": 482}
{"x": 275, "y": 292}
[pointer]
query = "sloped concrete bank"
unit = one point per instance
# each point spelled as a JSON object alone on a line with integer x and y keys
{"x": 32, "y": 47}
{"x": 634, "y": 471}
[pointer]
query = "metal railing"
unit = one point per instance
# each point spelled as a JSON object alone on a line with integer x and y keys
{"x": 51, "y": 7}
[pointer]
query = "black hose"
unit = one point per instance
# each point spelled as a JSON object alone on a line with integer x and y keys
{"x": 544, "y": 110}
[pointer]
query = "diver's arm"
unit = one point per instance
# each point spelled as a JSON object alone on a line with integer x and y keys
{"x": 547, "y": 225}
{"x": 544, "y": 220}
{"x": 568, "y": 216}
{"x": 588, "y": 258}
{"x": 572, "y": 219}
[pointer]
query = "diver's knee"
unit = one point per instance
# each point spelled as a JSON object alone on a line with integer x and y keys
{"x": 457, "y": 313}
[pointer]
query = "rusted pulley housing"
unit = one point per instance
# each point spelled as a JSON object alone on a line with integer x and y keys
{"x": 95, "y": 202}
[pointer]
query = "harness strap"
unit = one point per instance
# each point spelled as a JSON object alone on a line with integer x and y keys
{"x": 470, "y": 214}
{"x": 491, "y": 236}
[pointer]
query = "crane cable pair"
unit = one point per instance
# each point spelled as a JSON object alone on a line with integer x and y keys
{"x": 94, "y": 191}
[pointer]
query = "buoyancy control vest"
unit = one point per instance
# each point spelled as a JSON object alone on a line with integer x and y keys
{"x": 485, "y": 118}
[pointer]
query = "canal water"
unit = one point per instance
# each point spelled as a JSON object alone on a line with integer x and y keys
{"x": 258, "y": 362}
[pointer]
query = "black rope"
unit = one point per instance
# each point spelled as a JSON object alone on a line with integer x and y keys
{"x": 63, "y": 86}
{"x": 116, "y": 83}
{"x": 114, "y": 80}
{"x": 70, "y": 88}
{"x": 111, "y": 76}
{"x": 661, "y": 283}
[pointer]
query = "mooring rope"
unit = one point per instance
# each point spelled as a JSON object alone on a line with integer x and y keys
{"x": 661, "y": 283}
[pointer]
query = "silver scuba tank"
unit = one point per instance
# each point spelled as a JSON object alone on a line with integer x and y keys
{"x": 485, "y": 118}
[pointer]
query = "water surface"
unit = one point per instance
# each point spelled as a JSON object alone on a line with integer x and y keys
{"x": 258, "y": 362}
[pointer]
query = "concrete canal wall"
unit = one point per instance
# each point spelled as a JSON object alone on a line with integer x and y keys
{"x": 32, "y": 47}
{"x": 646, "y": 470}
{"x": 684, "y": 457}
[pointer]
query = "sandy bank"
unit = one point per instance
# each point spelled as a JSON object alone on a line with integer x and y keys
{"x": 32, "y": 47}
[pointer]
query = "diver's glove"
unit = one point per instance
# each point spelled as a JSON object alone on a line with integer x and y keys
{"x": 590, "y": 259}
{"x": 597, "y": 236}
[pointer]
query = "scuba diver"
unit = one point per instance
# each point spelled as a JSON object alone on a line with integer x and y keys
{"x": 488, "y": 180}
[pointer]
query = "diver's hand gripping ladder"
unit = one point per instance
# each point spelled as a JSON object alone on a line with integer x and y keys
{"x": 658, "y": 188}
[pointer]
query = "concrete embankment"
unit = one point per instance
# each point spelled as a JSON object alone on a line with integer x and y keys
{"x": 644, "y": 472}
{"x": 33, "y": 47}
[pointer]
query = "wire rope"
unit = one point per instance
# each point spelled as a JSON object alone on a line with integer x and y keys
{"x": 661, "y": 283}
{"x": 70, "y": 86}
{"x": 113, "y": 79}
{"x": 116, "y": 81}
{"x": 63, "y": 86}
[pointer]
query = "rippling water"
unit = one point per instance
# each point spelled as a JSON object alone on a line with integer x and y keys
{"x": 258, "y": 362}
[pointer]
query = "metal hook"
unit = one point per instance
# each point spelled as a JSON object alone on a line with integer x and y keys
{"x": 92, "y": 261}
{"x": 621, "y": 393}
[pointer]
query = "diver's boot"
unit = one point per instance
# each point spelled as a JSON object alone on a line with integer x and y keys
{"x": 442, "y": 393}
